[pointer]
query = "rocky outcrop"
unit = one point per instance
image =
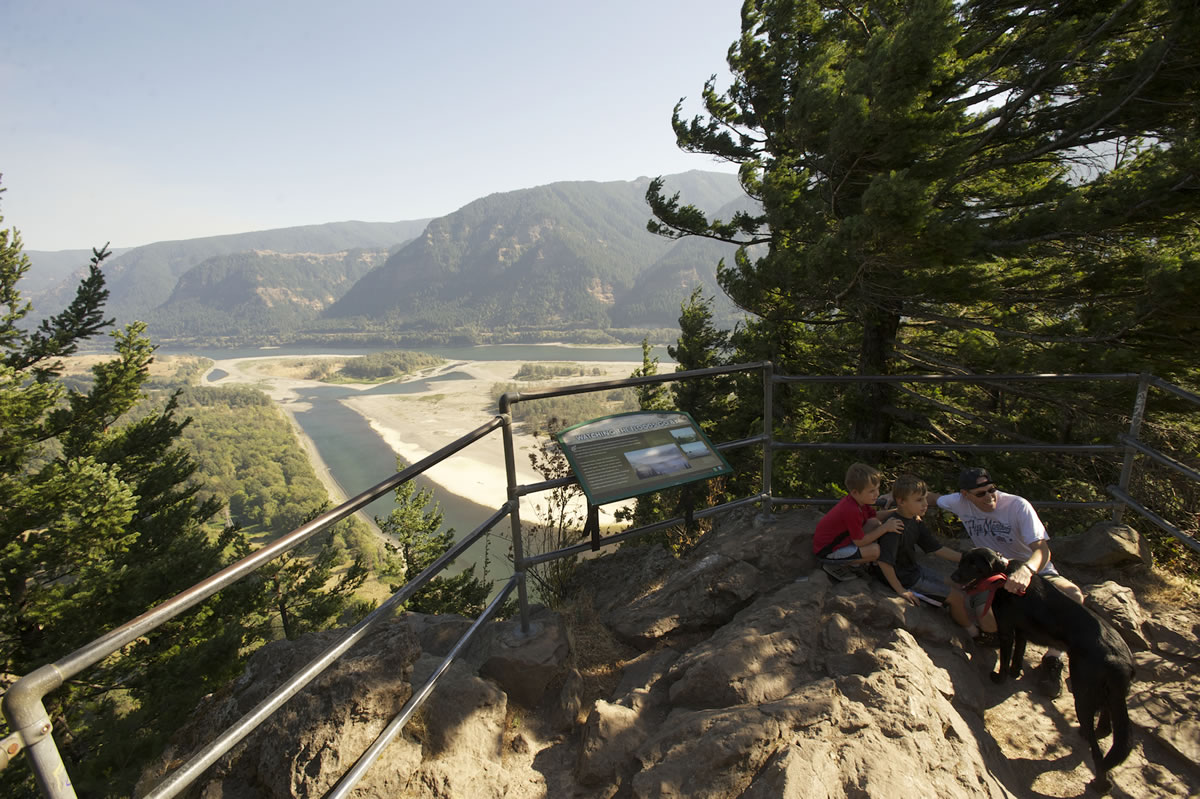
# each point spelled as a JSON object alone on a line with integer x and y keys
{"x": 747, "y": 673}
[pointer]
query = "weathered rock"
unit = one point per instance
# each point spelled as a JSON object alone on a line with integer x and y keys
{"x": 1174, "y": 633}
{"x": 305, "y": 748}
{"x": 1104, "y": 545}
{"x": 1117, "y": 605}
{"x": 762, "y": 655}
{"x": 1168, "y": 712}
{"x": 704, "y": 594}
{"x": 609, "y": 738}
{"x": 1154, "y": 668}
{"x": 774, "y": 684}
{"x": 643, "y": 680}
{"x": 464, "y": 713}
{"x": 525, "y": 665}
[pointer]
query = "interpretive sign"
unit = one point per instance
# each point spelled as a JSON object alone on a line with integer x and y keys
{"x": 622, "y": 456}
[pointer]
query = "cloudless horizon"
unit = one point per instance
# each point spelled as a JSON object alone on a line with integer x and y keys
{"x": 132, "y": 122}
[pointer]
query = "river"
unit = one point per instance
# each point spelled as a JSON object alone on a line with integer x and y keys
{"x": 358, "y": 458}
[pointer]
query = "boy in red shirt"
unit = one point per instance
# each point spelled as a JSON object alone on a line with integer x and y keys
{"x": 848, "y": 532}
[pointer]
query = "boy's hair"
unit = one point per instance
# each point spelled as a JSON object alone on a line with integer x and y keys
{"x": 907, "y": 485}
{"x": 859, "y": 476}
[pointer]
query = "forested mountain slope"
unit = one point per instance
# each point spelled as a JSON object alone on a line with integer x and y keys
{"x": 145, "y": 277}
{"x": 562, "y": 255}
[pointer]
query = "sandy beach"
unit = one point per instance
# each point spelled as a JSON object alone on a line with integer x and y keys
{"x": 418, "y": 424}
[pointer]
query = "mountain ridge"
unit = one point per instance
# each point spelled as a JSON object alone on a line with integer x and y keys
{"x": 569, "y": 258}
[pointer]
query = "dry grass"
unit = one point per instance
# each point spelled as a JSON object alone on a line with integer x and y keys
{"x": 596, "y": 655}
{"x": 295, "y": 368}
{"x": 161, "y": 366}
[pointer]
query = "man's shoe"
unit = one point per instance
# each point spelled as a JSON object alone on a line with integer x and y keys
{"x": 1050, "y": 676}
{"x": 988, "y": 640}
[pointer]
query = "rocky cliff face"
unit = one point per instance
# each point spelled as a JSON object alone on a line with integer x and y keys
{"x": 740, "y": 671}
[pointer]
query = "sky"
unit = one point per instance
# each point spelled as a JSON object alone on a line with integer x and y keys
{"x": 128, "y": 122}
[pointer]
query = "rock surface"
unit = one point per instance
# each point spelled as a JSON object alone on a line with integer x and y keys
{"x": 746, "y": 673}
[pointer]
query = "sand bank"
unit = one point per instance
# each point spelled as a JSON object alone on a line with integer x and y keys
{"x": 418, "y": 424}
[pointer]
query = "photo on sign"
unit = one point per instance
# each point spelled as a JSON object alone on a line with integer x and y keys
{"x": 657, "y": 461}
{"x": 683, "y": 435}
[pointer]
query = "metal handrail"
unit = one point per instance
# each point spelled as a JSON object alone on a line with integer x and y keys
{"x": 22, "y": 703}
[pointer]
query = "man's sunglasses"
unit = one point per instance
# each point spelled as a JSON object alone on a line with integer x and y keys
{"x": 984, "y": 492}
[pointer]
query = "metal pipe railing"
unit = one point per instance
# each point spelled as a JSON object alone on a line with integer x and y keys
{"x": 352, "y": 777}
{"x": 637, "y": 532}
{"x": 1159, "y": 521}
{"x": 1070, "y": 449}
{"x": 182, "y": 777}
{"x": 22, "y": 703}
{"x": 981, "y": 379}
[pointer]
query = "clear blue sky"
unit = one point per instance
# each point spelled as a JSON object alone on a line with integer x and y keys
{"x": 131, "y": 122}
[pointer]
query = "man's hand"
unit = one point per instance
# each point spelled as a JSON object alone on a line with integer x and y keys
{"x": 910, "y": 597}
{"x": 1018, "y": 581}
{"x": 893, "y": 525}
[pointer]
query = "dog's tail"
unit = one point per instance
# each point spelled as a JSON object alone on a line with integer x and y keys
{"x": 1122, "y": 742}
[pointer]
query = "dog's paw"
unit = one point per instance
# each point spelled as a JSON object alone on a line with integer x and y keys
{"x": 1100, "y": 786}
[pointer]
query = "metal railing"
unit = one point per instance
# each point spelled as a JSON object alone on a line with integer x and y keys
{"x": 32, "y": 728}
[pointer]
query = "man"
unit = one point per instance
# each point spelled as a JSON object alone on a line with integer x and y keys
{"x": 1008, "y": 524}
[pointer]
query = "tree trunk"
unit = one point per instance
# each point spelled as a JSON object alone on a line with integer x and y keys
{"x": 869, "y": 424}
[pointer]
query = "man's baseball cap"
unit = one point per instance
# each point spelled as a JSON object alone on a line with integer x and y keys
{"x": 973, "y": 478}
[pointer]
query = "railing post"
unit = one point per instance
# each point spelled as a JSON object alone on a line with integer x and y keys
{"x": 27, "y": 715}
{"x": 768, "y": 436}
{"x": 514, "y": 513}
{"x": 1135, "y": 430}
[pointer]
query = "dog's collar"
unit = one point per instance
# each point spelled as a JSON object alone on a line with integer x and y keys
{"x": 991, "y": 585}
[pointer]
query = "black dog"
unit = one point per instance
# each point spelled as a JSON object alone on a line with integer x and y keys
{"x": 1100, "y": 660}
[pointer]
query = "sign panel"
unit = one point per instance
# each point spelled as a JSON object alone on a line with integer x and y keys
{"x": 622, "y": 456}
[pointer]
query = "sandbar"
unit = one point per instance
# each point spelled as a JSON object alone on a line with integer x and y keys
{"x": 416, "y": 425}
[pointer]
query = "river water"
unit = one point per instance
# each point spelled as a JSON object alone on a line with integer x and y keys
{"x": 359, "y": 459}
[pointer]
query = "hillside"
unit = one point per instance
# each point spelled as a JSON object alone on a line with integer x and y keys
{"x": 566, "y": 255}
{"x": 258, "y": 293}
{"x": 142, "y": 278}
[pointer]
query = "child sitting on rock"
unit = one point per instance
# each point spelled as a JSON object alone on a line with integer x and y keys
{"x": 849, "y": 531}
{"x": 897, "y": 562}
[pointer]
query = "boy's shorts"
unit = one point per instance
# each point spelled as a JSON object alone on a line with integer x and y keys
{"x": 931, "y": 583}
{"x": 848, "y": 552}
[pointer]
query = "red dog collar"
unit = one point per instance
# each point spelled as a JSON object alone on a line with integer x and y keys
{"x": 991, "y": 585}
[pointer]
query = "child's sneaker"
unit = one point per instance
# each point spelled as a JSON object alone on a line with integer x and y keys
{"x": 842, "y": 572}
{"x": 1050, "y": 676}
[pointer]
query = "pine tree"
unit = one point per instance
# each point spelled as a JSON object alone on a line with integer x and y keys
{"x": 99, "y": 521}
{"x": 973, "y": 186}
{"x": 961, "y": 187}
{"x": 417, "y": 528}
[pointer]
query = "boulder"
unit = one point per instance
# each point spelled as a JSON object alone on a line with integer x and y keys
{"x": 608, "y": 741}
{"x": 1174, "y": 633}
{"x": 1117, "y": 605}
{"x": 699, "y": 597}
{"x": 1168, "y": 712}
{"x": 1105, "y": 545}
{"x": 525, "y": 665}
{"x": 305, "y": 747}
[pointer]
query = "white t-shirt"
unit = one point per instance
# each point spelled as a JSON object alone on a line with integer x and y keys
{"x": 1010, "y": 529}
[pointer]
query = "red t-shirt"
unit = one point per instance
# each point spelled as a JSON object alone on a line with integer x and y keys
{"x": 846, "y": 517}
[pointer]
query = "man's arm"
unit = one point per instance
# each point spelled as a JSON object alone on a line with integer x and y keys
{"x": 1018, "y": 581}
{"x": 946, "y": 553}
